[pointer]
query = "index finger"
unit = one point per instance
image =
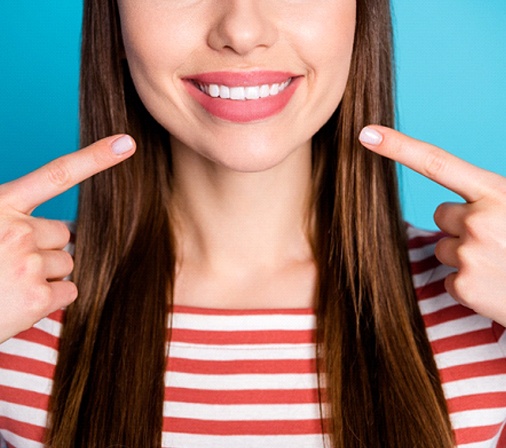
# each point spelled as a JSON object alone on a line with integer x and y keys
{"x": 459, "y": 176}
{"x": 28, "y": 192}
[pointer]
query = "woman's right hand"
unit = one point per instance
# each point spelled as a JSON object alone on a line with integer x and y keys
{"x": 33, "y": 264}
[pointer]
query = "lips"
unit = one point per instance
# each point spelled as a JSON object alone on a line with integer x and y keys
{"x": 243, "y": 96}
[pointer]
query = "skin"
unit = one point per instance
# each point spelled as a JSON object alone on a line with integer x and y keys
{"x": 476, "y": 242}
{"x": 197, "y": 36}
{"x": 248, "y": 184}
{"x": 241, "y": 189}
{"x": 33, "y": 262}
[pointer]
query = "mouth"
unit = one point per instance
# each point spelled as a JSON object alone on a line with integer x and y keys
{"x": 243, "y": 97}
{"x": 242, "y": 93}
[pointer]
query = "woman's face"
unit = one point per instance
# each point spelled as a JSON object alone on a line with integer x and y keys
{"x": 243, "y": 83}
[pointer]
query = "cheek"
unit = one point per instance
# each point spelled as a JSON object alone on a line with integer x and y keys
{"x": 155, "y": 46}
{"x": 326, "y": 46}
{"x": 332, "y": 42}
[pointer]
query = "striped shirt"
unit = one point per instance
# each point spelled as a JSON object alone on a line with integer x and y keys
{"x": 248, "y": 379}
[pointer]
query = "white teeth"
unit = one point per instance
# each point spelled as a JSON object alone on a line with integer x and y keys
{"x": 214, "y": 90}
{"x": 243, "y": 93}
{"x": 224, "y": 92}
{"x": 237, "y": 93}
{"x": 252, "y": 93}
{"x": 265, "y": 91}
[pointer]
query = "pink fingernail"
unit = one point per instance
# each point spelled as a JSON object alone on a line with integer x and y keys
{"x": 370, "y": 136}
{"x": 122, "y": 145}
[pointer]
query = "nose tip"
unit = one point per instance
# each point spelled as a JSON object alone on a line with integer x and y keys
{"x": 242, "y": 27}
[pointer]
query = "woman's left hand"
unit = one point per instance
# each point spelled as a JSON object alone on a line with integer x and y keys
{"x": 476, "y": 245}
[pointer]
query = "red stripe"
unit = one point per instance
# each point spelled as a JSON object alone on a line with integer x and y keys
{"x": 478, "y": 401}
{"x": 498, "y": 330}
{"x": 447, "y": 314}
{"x": 431, "y": 262}
{"x": 290, "y": 366}
{"x": 473, "y": 370}
{"x": 430, "y": 290}
{"x": 477, "y": 434}
{"x": 240, "y": 428}
{"x": 26, "y": 430}
{"x": 243, "y": 337}
{"x": 502, "y": 438}
{"x": 39, "y": 337}
{"x": 467, "y": 340}
{"x": 226, "y": 397}
{"x": 24, "y": 397}
{"x": 26, "y": 365}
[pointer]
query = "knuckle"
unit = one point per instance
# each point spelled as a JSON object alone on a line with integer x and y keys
{"x": 400, "y": 147}
{"x": 17, "y": 231}
{"x": 58, "y": 173}
{"x": 101, "y": 159}
{"x": 32, "y": 265}
{"x": 39, "y": 300}
{"x": 435, "y": 163}
{"x": 472, "y": 224}
{"x": 463, "y": 255}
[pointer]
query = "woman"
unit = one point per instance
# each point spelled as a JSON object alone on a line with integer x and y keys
{"x": 249, "y": 205}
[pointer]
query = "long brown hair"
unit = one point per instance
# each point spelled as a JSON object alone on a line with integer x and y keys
{"x": 380, "y": 376}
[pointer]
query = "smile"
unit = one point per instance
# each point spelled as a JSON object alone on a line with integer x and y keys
{"x": 243, "y": 93}
{"x": 243, "y": 97}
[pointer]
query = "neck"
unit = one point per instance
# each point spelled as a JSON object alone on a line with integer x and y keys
{"x": 226, "y": 218}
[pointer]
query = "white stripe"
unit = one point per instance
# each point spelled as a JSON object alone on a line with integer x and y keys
{"x": 25, "y": 414}
{"x": 458, "y": 327}
{"x": 241, "y": 352}
{"x": 25, "y": 381}
{"x": 50, "y": 326}
{"x": 19, "y": 441}
{"x": 502, "y": 341}
{"x": 484, "y": 444}
{"x": 468, "y": 355}
{"x": 432, "y": 275}
{"x": 475, "y": 386}
{"x": 436, "y": 303}
{"x": 274, "y": 322}
{"x": 173, "y": 440}
{"x": 414, "y": 232}
{"x": 241, "y": 382}
{"x": 421, "y": 253}
{"x": 242, "y": 412}
{"x": 30, "y": 350}
{"x": 477, "y": 418}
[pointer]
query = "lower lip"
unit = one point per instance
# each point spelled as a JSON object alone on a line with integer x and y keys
{"x": 244, "y": 111}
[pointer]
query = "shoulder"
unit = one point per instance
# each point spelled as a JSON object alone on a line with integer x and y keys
{"x": 445, "y": 319}
{"x": 427, "y": 272}
{"x": 469, "y": 349}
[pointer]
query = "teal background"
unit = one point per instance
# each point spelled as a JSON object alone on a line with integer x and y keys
{"x": 451, "y": 67}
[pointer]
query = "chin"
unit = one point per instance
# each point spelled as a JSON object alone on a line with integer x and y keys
{"x": 257, "y": 157}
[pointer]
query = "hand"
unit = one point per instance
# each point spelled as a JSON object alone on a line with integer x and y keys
{"x": 476, "y": 245}
{"x": 33, "y": 264}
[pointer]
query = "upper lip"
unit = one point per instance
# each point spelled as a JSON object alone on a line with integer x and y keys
{"x": 241, "y": 79}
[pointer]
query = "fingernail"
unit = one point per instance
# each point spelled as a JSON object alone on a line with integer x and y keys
{"x": 370, "y": 136}
{"x": 122, "y": 145}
